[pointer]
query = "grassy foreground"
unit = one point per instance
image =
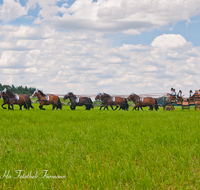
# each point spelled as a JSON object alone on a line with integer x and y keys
{"x": 99, "y": 149}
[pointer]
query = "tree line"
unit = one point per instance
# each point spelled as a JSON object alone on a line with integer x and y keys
{"x": 18, "y": 89}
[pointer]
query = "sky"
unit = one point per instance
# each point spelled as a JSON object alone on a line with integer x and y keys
{"x": 91, "y": 46}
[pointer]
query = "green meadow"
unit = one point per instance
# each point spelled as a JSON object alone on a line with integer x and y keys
{"x": 65, "y": 149}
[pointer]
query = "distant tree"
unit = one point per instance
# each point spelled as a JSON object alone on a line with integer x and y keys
{"x": 18, "y": 89}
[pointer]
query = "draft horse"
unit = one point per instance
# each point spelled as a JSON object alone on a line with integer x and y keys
{"x": 143, "y": 102}
{"x": 78, "y": 101}
{"x": 10, "y": 98}
{"x": 47, "y": 100}
{"x": 117, "y": 101}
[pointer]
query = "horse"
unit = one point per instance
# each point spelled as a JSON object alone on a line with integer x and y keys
{"x": 11, "y": 98}
{"x": 117, "y": 101}
{"x": 78, "y": 101}
{"x": 143, "y": 102}
{"x": 47, "y": 100}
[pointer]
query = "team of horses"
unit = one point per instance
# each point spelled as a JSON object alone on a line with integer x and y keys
{"x": 106, "y": 100}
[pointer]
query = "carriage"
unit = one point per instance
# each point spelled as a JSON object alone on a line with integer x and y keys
{"x": 173, "y": 101}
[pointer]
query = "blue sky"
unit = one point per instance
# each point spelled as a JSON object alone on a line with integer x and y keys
{"x": 91, "y": 46}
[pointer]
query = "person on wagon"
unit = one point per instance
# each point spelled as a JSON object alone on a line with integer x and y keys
{"x": 172, "y": 93}
{"x": 191, "y": 94}
{"x": 180, "y": 95}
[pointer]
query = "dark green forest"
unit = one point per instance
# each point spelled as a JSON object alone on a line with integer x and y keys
{"x": 18, "y": 89}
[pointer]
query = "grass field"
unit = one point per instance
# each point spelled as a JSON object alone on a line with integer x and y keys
{"x": 45, "y": 149}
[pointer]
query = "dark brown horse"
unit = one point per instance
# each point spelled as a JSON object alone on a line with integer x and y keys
{"x": 143, "y": 102}
{"x": 47, "y": 100}
{"x": 78, "y": 101}
{"x": 117, "y": 101}
{"x": 11, "y": 99}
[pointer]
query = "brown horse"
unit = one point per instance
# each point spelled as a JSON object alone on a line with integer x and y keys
{"x": 47, "y": 100}
{"x": 78, "y": 101}
{"x": 11, "y": 99}
{"x": 117, "y": 101}
{"x": 143, "y": 102}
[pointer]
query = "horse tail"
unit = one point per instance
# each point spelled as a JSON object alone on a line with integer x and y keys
{"x": 90, "y": 103}
{"x": 29, "y": 104}
{"x": 59, "y": 104}
{"x": 156, "y": 105}
{"x": 25, "y": 105}
{"x": 126, "y": 104}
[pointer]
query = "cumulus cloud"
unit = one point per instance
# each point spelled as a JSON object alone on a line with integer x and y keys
{"x": 126, "y": 16}
{"x": 80, "y": 58}
{"x": 11, "y": 10}
{"x": 169, "y": 40}
{"x": 85, "y": 63}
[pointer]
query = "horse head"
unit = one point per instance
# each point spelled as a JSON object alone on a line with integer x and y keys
{"x": 105, "y": 96}
{"x": 9, "y": 94}
{"x": 98, "y": 96}
{"x": 3, "y": 94}
{"x": 68, "y": 95}
{"x": 132, "y": 97}
{"x": 35, "y": 93}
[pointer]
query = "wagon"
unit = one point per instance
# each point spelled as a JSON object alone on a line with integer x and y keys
{"x": 173, "y": 101}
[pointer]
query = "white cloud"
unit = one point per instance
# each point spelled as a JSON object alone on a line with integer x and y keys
{"x": 126, "y": 16}
{"x": 85, "y": 63}
{"x": 169, "y": 40}
{"x": 11, "y": 10}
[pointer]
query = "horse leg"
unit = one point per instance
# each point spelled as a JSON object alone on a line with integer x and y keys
{"x": 116, "y": 107}
{"x": 101, "y": 107}
{"x": 72, "y": 107}
{"x": 134, "y": 108}
{"x": 53, "y": 106}
{"x": 10, "y": 108}
{"x": 112, "y": 107}
{"x": 41, "y": 107}
{"x": 4, "y": 107}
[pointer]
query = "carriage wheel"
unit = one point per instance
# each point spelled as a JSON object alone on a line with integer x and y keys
{"x": 197, "y": 107}
{"x": 169, "y": 107}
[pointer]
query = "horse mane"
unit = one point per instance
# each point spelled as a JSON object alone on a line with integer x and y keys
{"x": 70, "y": 93}
{"x": 10, "y": 94}
{"x": 107, "y": 95}
{"x": 41, "y": 93}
